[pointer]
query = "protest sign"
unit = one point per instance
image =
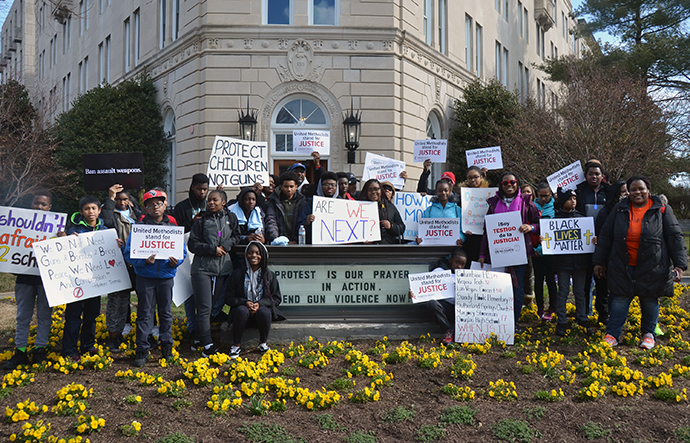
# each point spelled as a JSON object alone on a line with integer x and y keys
{"x": 383, "y": 169}
{"x": 567, "y": 178}
{"x": 439, "y": 231}
{"x": 506, "y": 242}
{"x": 164, "y": 241}
{"x": 474, "y": 206}
{"x": 567, "y": 235}
{"x": 476, "y": 266}
{"x": 182, "y": 283}
{"x": 77, "y": 267}
{"x": 19, "y": 230}
{"x": 432, "y": 286}
{"x": 101, "y": 171}
{"x": 434, "y": 150}
{"x": 489, "y": 158}
{"x": 236, "y": 162}
{"x": 344, "y": 221}
{"x": 483, "y": 305}
{"x": 308, "y": 141}
{"x": 411, "y": 206}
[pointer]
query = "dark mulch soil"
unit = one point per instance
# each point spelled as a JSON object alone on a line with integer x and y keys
{"x": 639, "y": 419}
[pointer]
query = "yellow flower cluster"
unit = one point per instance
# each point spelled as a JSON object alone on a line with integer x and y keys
{"x": 663, "y": 379}
{"x": 400, "y": 354}
{"x": 361, "y": 364}
{"x": 547, "y": 362}
{"x": 66, "y": 365}
{"x": 316, "y": 399}
{"x": 458, "y": 393}
{"x": 363, "y": 396}
{"x": 593, "y": 391}
{"x": 626, "y": 374}
{"x": 89, "y": 424}
{"x": 483, "y": 348}
{"x": 32, "y": 432}
{"x": 245, "y": 370}
{"x": 77, "y": 439}
{"x": 224, "y": 399}
{"x": 430, "y": 360}
{"x": 552, "y": 395}
{"x": 17, "y": 378}
{"x": 131, "y": 430}
{"x": 648, "y": 361}
{"x": 624, "y": 389}
{"x": 333, "y": 348}
{"x": 463, "y": 368}
{"x": 502, "y": 390}
{"x": 25, "y": 410}
{"x": 71, "y": 399}
{"x": 97, "y": 362}
{"x": 200, "y": 373}
{"x": 173, "y": 388}
{"x": 314, "y": 359}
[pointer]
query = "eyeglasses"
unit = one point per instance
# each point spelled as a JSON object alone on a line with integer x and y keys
{"x": 329, "y": 185}
{"x": 508, "y": 182}
{"x": 155, "y": 205}
{"x": 388, "y": 188}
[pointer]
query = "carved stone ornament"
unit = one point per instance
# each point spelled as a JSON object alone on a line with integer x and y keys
{"x": 300, "y": 64}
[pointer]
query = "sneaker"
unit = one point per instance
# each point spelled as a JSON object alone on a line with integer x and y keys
{"x": 140, "y": 359}
{"x": 196, "y": 345}
{"x": 209, "y": 350}
{"x": 167, "y": 352}
{"x": 647, "y": 341}
{"x": 561, "y": 329}
{"x": 610, "y": 339}
{"x": 449, "y": 337}
{"x": 235, "y": 351}
{"x": 263, "y": 347}
{"x": 547, "y": 316}
{"x": 38, "y": 356}
{"x": 18, "y": 359}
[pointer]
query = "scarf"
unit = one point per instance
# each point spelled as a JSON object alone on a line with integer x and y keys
{"x": 127, "y": 214}
{"x": 509, "y": 204}
{"x": 254, "y": 221}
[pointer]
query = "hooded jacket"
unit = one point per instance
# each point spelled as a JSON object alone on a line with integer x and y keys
{"x": 185, "y": 210}
{"x": 661, "y": 248}
{"x": 529, "y": 215}
{"x": 275, "y": 216}
{"x": 245, "y": 221}
{"x": 451, "y": 210}
{"x": 590, "y": 202}
{"x": 208, "y": 233}
{"x": 160, "y": 268}
{"x": 79, "y": 225}
{"x": 235, "y": 294}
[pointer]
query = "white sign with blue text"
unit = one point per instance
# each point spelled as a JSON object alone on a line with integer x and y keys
{"x": 340, "y": 221}
{"x": 411, "y": 206}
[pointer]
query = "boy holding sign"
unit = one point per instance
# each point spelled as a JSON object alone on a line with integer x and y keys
{"x": 28, "y": 290}
{"x": 154, "y": 283}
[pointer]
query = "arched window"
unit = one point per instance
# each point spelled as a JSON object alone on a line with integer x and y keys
{"x": 169, "y": 130}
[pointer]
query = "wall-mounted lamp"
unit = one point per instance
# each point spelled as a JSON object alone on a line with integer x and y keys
{"x": 352, "y": 123}
{"x": 247, "y": 123}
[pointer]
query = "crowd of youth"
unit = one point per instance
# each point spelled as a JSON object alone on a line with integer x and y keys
{"x": 640, "y": 251}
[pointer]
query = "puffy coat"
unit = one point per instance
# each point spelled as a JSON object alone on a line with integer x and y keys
{"x": 451, "y": 210}
{"x": 209, "y": 232}
{"x": 160, "y": 268}
{"x": 661, "y": 248}
{"x": 275, "y": 217}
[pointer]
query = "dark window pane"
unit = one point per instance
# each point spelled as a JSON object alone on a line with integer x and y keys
{"x": 324, "y": 12}
{"x": 278, "y": 12}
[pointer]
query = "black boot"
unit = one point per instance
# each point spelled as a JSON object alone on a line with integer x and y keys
{"x": 18, "y": 359}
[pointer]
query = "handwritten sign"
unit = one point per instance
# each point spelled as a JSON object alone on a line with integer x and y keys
{"x": 411, "y": 206}
{"x": 476, "y": 266}
{"x": 506, "y": 243}
{"x": 182, "y": 282}
{"x": 567, "y": 178}
{"x": 19, "y": 230}
{"x": 483, "y": 305}
{"x": 78, "y": 267}
{"x": 567, "y": 235}
{"x": 383, "y": 169}
{"x": 434, "y": 150}
{"x": 308, "y": 141}
{"x": 489, "y": 158}
{"x": 474, "y": 206}
{"x": 432, "y": 286}
{"x": 101, "y": 171}
{"x": 164, "y": 241}
{"x": 236, "y": 162}
{"x": 439, "y": 231}
{"x": 344, "y": 221}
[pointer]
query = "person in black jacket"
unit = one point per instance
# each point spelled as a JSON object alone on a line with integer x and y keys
{"x": 249, "y": 216}
{"x": 392, "y": 225}
{"x": 283, "y": 209}
{"x": 187, "y": 211}
{"x": 213, "y": 236}
{"x": 327, "y": 187}
{"x": 253, "y": 293}
{"x": 640, "y": 251}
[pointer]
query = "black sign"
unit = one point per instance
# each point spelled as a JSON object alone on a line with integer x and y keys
{"x": 101, "y": 171}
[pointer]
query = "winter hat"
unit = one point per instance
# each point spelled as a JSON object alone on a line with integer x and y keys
{"x": 448, "y": 176}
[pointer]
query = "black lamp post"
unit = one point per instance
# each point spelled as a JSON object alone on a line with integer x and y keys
{"x": 247, "y": 123}
{"x": 352, "y": 123}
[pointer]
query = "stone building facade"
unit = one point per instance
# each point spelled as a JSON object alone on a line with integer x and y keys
{"x": 298, "y": 63}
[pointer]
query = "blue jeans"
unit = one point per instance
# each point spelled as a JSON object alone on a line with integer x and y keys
{"x": 619, "y": 313}
{"x": 91, "y": 309}
{"x": 519, "y": 290}
{"x": 27, "y": 296}
{"x": 152, "y": 294}
{"x": 579, "y": 282}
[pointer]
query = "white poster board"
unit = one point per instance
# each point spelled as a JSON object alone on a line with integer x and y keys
{"x": 567, "y": 235}
{"x": 439, "y": 231}
{"x": 567, "y": 178}
{"x": 411, "y": 206}
{"x": 489, "y": 158}
{"x": 309, "y": 140}
{"x": 483, "y": 305}
{"x": 474, "y": 206}
{"x": 383, "y": 169}
{"x": 506, "y": 243}
{"x": 78, "y": 267}
{"x": 340, "y": 221}
{"x": 476, "y": 266}
{"x": 237, "y": 162}
{"x": 182, "y": 283}
{"x": 164, "y": 241}
{"x": 432, "y": 286}
{"x": 19, "y": 229}
{"x": 434, "y": 150}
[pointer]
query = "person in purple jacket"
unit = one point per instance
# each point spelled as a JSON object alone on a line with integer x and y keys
{"x": 509, "y": 199}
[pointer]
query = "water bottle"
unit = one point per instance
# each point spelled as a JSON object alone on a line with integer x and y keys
{"x": 302, "y": 235}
